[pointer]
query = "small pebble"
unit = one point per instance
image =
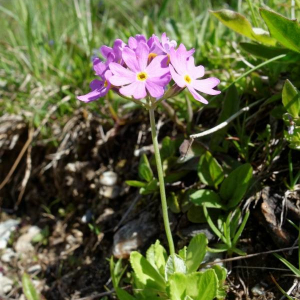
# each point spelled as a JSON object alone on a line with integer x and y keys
{"x": 6, "y": 284}
{"x": 257, "y": 290}
{"x": 35, "y": 269}
{"x": 7, "y": 255}
{"x": 109, "y": 178}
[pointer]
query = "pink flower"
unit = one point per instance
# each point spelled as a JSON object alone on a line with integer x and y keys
{"x": 99, "y": 87}
{"x": 166, "y": 45}
{"x": 186, "y": 74}
{"x": 115, "y": 52}
{"x": 140, "y": 77}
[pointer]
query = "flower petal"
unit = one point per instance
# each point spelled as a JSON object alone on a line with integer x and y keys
{"x": 155, "y": 68}
{"x": 154, "y": 89}
{"x": 142, "y": 53}
{"x": 177, "y": 78}
{"x": 98, "y": 91}
{"x": 194, "y": 72}
{"x": 178, "y": 63}
{"x": 161, "y": 81}
{"x": 136, "y": 89}
{"x": 206, "y": 85}
{"x": 130, "y": 59}
{"x": 196, "y": 95}
{"x": 99, "y": 67}
{"x": 105, "y": 50}
{"x": 96, "y": 84}
{"x": 121, "y": 75}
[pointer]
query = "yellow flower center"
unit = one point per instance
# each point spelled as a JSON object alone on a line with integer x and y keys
{"x": 105, "y": 83}
{"x": 151, "y": 56}
{"x": 142, "y": 76}
{"x": 187, "y": 79}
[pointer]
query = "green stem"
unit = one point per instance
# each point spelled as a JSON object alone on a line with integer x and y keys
{"x": 161, "y": 183}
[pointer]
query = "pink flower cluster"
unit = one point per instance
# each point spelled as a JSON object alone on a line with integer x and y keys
{"x": 144, "y": 68}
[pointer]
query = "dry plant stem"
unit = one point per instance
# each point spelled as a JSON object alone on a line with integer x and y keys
{"x": 161, "y": 183}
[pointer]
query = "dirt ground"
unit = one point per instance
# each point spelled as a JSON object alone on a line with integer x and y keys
{"x": 73, "y": 210}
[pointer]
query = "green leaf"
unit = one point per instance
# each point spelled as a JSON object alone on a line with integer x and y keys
{"x": 157, "y": 256}
{"x": 241, "y": 25}
{"x": 197, "y": 286}
{"x": 178, "y": 284}
{"x": 195, "y": 252}
{"x": 195, "y": 214}
{"x": 145, "y": 171}
{"x": 235, "y": 185}
{"x": 288, "y": 264}
{"x": 123, "y": 295}
{"x": 174, "y": 266}
{"x": 173, "y": 203}
{"x": 209, "y": 197}
{"x": 221, "y": 275}
{"x": 291, "y": 99}
{"x": 167, "y": 148}
{"x": 209, "y": 170}
{"x": 146, "y": 273}
{"x": 150, "y": 188}
{"x": 182, "y": 253}
{"x": 29, "y": 289}
{"x": 263, "y": 51}
{"x": 285, "y": 31}
{"x": 135, "y": 183}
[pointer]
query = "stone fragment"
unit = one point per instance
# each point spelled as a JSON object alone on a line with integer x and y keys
{"x": 6, "y": 284}
{"x": 23, "y": 244}
{"x": 109, "y": 178}
{"x": 6, "y": 228}
{"x": 134, "y": 235}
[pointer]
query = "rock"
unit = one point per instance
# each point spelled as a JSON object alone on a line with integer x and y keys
{"x": 213, "y": 257}
{"x": 7, "y": 255}
{"x": 109, "y": 178}
{"x": 134, "y": 235}
{"x": 110, "y": 192}
{"x": 23, "y": 244}
{"x": 6, "y": 228}
{"x": 191, "y": 231}
{"x": 34, "y": 269}
{"x": 6, "y": 284}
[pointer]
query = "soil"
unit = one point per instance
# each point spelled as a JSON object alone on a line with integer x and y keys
{"x": 57, "y": 185}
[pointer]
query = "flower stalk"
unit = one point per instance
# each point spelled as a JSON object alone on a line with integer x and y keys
{"x": 161, "y": 182}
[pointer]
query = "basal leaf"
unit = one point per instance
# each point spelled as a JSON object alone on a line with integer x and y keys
{"x": 123, "y": 295}
{"x": 291, "y": 99}
{"x": 29, "y": 289}
{"x": 235, "y": 185}
{"x": 207, "y": 285}
{"x": 209, "y": 170}
{"x": 284, "y": 30}
{"x": 174, "y": 266}
{"x": 146, "y": 273}
{"x": 241, "y": 25}
{"x": 209, "y": 197}
{"x": 197, "y": 286}
{"x": 178, "y": 283}
{"x": 195, "y": 252}
{"x": 157, "y": 256}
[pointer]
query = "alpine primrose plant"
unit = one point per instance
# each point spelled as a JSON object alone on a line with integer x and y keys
{"x": 148, "y": 71}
